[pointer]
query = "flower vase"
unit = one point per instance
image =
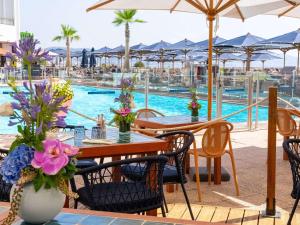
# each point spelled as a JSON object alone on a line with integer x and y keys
{"x": 195, "y": 115}
{"x": 41, "y": 206}
{"x": 124, "y": 126}
{"x": 124, "y": 132}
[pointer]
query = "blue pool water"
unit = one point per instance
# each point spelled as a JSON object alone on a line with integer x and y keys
{"x": 95, "y": 104}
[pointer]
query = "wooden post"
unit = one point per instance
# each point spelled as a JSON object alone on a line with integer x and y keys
{"x": 210, "y": 74}
{"x": 271, "y": 167}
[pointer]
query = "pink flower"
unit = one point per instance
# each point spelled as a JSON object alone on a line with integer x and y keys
{"x": 124, "y": 111}
{"x": 194, "y": 105}
{"x": 54, "y": 157}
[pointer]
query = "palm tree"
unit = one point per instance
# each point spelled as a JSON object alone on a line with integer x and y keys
{"x": 126, "y": 17}
{"x": 68, "y": 34}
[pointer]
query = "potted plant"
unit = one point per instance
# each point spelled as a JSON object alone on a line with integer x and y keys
{"x": 124, "y": 116}
{"x": 64, "y": 90}
{"x": 39, "y": 168}
{"x": 194, "y": 106}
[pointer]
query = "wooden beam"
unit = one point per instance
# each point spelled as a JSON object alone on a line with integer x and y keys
{"x": 239, "y": 12}
{"x": 288, "y": 10}
{"x": 290, "y": 2}
{"x": 174, "y": 7}
{"x": 197, "y": 6}
{"x": 98, "y": 5}
{"x": 218, "y": 4}
{"x": 271, "y": 161}
{"x": 206, "y": 3}
{"x": 226, "y": 5}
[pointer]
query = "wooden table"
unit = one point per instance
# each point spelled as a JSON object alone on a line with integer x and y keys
{"x": 178, "y": 121}
{"x": 88, "y": 217}
{"x": 134, "y": 145}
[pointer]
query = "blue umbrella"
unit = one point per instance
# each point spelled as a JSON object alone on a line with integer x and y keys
{"x": 138, "y": 47}
{"x": 117, "y": 50}
{"x": 84, "y": 59}
{"x": 92, "y": 58}
{"x": 184, "y": 45}
{"x": 204, "y": 44}
{"x": 157, "y": 47}
{"x": 103, "y": 52}
{"x": 261, "y": 56}
{"x": 244, "y": 43}
{"x": 285, "y": 42}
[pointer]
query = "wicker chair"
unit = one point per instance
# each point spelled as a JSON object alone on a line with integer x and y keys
{"x": 174, "y": 171}
{"x": 287, "y": 126}
{"x": 4, "y": 187}
{"x": 215, "y": 139}
{"x": 148, "y": 113}
{"x": 292, "y": 148}
{"x": 107, "y": 189}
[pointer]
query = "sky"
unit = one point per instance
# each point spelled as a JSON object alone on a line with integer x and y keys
{"x": 44, "y": 17}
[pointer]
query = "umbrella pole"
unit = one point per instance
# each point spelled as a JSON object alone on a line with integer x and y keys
{"x": 284, "y": 55}
{"x": 298, "y": 61}
{"x": 210, "y": 75}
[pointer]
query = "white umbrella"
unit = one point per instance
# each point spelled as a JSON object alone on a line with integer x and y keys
{"x": 229, "y": 8}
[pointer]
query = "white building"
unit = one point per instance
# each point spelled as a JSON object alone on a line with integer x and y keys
{"x": 9, "y": 26}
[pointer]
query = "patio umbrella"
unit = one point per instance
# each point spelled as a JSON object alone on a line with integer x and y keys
{"x": 103, "y": 52}
{"x": 139, "y": 49}
{"x": 92, "y": 58}
{"x": 84, "y": 59}
{"x": 286, "y": 41}
{"x": 260, "y": 56}
{"x": 245, "y": 43}
{"x": 184, "y": 46}
{"x": 229, "y": 8}
{"x": 118, "y": 51}
{"x": 204, "y": 44}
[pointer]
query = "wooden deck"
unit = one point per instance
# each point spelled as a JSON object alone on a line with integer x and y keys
{"x": 227, "y": 215}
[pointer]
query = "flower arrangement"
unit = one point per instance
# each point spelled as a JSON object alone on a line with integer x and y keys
{"x": 64, "y": 90}
{"x": 33, "y": 158}
{"x": 194, "y": 106}
{"x": 124, "y": 116}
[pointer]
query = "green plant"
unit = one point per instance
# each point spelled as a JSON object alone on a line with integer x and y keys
{"x": 63, "y": 90}
{"x": 68, "y": 34}
{"x": 126, "y": 17}
{"x": 194, "y": 105}
{"x": 139, "y": 64}
{"x": 26, "y": 34}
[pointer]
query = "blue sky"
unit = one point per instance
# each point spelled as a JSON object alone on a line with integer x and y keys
{"x": 95, "y": 28}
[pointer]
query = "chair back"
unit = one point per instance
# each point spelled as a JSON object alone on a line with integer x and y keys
{"x": 285, "y": 122}
{"x": 179, "y": 143}
{"x": 110, "y": 189}
{"x": 292, "y": 148}
{"x": 216, "y": 137}
{"x": 147, "y": 113}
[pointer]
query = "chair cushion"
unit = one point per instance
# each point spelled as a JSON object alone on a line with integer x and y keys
{"x": 85, "y": 163}
{"x": 135, "y": 173}
{"x": 127, "y": 197}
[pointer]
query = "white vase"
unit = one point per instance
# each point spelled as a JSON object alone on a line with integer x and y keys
{"x": 39, "y": 207}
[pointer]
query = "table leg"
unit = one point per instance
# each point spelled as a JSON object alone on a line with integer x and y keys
{"x": 217, "y": 170}
{"x": 285, "y": 156}
{"x": 151, "y": 212}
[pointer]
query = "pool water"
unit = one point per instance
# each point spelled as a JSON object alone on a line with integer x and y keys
{"x": 94, "y": 104}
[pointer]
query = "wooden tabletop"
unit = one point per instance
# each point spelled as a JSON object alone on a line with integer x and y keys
{"x": 168, "y": 121}
{"x": 134, "y": 143}
{"x": 88, "y": 217}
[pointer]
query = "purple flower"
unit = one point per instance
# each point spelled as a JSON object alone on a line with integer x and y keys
{"x": 60, "y": 122}
{"x": 16, "y": 106}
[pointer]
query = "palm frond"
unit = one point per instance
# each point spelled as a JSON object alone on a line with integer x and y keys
{"x": 118, "y": 21}
{"x": 57, "y": 38}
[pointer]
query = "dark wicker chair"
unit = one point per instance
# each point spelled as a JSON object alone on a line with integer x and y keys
{"x": 107, "y": 189}
{"x": 174, "y": 171}
{"x": 4, "y": 187}
{"x": 292, "y": 148}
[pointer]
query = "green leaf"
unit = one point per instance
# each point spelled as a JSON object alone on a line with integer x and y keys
{"x": 38, "y": 182}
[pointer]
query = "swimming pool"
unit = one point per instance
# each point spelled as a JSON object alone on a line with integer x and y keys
{"x": 94, "y": 104}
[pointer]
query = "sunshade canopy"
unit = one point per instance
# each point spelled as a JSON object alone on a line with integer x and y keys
{"x": 184, "y": 45}
{"x": 159, "y": 46}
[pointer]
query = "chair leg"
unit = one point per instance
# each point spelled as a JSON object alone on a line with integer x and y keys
{"x": 197, "y": 171}
{"x": 209, "y": 170}
{"x": 75, "y": 204}
{"x": 165, "y": 203}
{"x": 234, "y": 169}
{"x": 293, "y": 210}
{"x": 163, "y": 211}
{"x": 187, "y": 201}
